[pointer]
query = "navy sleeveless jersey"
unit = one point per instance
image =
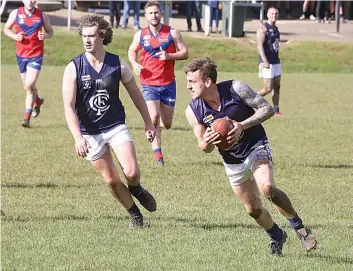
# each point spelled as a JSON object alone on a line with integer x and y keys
{"x": 271, "y": 44}
{"x": 98, "y": 106}
{"x": 233, "y": 107}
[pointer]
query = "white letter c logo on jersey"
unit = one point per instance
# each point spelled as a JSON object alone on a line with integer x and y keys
{"x": 99, "y": 101}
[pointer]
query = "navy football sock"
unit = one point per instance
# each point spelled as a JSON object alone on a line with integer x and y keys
{"x": 135, "y": 190}
{"x": 134, "y": 211}
{"x": 296, "y": 223}
{"x": 275, "y": 233}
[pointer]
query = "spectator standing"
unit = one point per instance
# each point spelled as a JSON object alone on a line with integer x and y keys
{"x": 135, "y": 5}
{"x": 193, "y": 7}
{"x": 114, "y": 11}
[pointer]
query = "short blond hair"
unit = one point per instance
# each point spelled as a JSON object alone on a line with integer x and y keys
{"x": 206, "y": 66}
{"x": 152, "y": 4}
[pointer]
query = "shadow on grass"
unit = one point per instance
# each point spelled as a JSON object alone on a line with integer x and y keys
{"x": 65, "y": 217}
{"x": 337, "y": 166}
{"x": 42, "y": 126}
{"x": 45, "y": 185}
{"x": 199, "y": 224}
{"x": 215, "y": 226}
{"x": 206, "y": 163}
{"x": 331, "y": 258}
{"x": 171, "y": 129}
{"x": 313, "y": 227}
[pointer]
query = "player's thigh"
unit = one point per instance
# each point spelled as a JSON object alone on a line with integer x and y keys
{"x": 262, "y": 166}
{"x": 34, "y": 65}
{"x": 268, "y": 83}
{"x": 120, "y": 140}
{"x": 31, "y": 78}
{"x": 168, "y": 99}
{"x": 105, "y": 165}
{"x": 126, "y": 155}
{"x": 248, "y": 193}
{"x": 166, "y": 115}
{"x": 154, "y": 110}
{"x": 277, "y": 81}
{"x": 23, "y": 77}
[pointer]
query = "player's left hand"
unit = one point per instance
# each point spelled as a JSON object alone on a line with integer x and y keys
{"x": 236, "y": 133}
{"x": 150, "y": 133}
{"x": 211, "y": 137}
{"x": 163, "y": 55}
{"x": 41, "y": 35}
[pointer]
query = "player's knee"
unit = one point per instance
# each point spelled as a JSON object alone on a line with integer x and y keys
{"x": 166, "y": 125}
{"x": 155, "y": 119}
{"x": 110, "y": 177}
{"x": 132, "y": 174}
{"x": 269, "y": 191}
{"x": 277, "y": 88}
{"x": 268, "y": 88}
{"x": 255, "y": 212}
{"x": 29, "y": 87}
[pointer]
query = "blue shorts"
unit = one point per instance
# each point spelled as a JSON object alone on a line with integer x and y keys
{"x": 34, "y": 63}
{"x": 166, "y": 94}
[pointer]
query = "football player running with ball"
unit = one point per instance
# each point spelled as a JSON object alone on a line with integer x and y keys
{"x": 248, "y": 162}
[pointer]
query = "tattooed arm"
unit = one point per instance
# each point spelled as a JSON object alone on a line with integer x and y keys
{"x": 263, "y": 110}
{"x": 260, "y": 39}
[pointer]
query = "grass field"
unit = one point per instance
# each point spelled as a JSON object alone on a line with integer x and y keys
{"x": 60, "y": 215}
{"x": 236, "y": 55}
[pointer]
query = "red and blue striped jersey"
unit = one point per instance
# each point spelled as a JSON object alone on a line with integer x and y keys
{"x": 156, "y": 72}
{"x": 30, "y": 46}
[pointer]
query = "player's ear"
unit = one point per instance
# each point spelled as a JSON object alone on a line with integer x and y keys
{"x": 208, "y": 82}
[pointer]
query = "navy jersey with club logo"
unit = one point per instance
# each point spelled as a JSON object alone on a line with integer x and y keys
{"x": 271, "y": 44}
{"x": 233, "y": 107}
{"x": 98, "y": 106}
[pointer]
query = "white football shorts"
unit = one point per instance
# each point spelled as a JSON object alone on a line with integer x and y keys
{"x": 239, "y": 173}
{"x": 100, "y": 143}
{"x": 272, "y": 72}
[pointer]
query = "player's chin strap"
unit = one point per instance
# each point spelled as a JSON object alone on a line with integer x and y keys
{"x": 3, "y": 4}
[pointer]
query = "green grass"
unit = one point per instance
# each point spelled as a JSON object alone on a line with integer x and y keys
{"x": 60, "y": 215}
{"x": 237, "y": 55}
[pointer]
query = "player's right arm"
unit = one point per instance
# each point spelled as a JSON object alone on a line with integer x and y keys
{"x": 9, "y": 25}
{"x": 134, "y": 48}
{"x": 260, "y": 38}
{"x": 206, "y": 138}
{"x": 69, "y": 88}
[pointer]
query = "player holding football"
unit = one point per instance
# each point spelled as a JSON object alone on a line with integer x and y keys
{"x": 160, "y": 46}
{"x": 29, "y": 37}
{"x": 248, "y": 163}
{"x": 96, "y": 117}
{"x": 270, "y": 69}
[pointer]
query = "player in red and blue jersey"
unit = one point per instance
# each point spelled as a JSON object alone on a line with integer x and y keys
{"x": 160, "y": 46}
{"x": 29, "y": 36}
